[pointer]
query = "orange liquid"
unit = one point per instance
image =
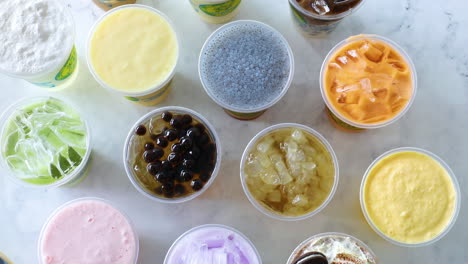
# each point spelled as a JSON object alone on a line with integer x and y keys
{"x": 368, "y": 82}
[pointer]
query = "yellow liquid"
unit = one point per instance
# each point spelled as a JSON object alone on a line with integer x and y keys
{"x": 133, "y": 50}
{"x": 409, "y": 197}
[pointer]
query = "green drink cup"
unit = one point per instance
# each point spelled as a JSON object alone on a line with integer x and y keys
{"x": 44, "y": 143}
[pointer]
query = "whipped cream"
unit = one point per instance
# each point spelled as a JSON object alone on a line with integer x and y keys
{"x": 36, "y": 36}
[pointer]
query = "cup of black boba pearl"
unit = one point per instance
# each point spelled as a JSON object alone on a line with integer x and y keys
{"x": 172, "y": 154}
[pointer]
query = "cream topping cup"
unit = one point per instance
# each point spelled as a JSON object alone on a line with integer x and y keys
{"x": 62, "y": 71}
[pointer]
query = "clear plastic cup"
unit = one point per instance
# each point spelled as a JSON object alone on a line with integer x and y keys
{"x": 62, "y": 73}
{"x": 177, "y": 110}
{"x": 258, "y": 205}
{"x": 216, "y": 11}
{"x": 239, "y": 113}
{"x": 299, "y": 250}
{"x": 340, "y": 121}
{"x": 314, "y": 25}
{"x": 109, "y": 4}
{"x": 454, "y": 181}
{"x": 208, "y": 226}
{"x": 152, "y": 96}
{"x": 71, "y": 179}
{"x": 84, "y": 199}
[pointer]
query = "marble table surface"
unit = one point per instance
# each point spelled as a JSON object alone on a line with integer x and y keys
{"x": 435, "y": 36}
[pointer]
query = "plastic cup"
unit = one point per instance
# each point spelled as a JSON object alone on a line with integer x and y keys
{"x": 158, "y": 92}
{"x": 372, "y": 259}
{"x": 454, "y": 181}
{"x": 84, "y": 199}
{"x": 71, "y": 179}
{"x": 127, "y": 150}
{"x": 271, "y": 213}
{"x": 314, "y": 25}
{"x": 239, "y": 113}
{"x": 216, "y": 11}
{"x": 208, "y": 226}
{"x": 340, "y": 121}
{"x": 62, "y": 73}
{"x": 109, "y": 4}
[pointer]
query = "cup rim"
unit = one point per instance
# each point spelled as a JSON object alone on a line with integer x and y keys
{"x": 58, "y": 65}
{"x": 311, "y": 132}
{"x": 327, "y": 17}
{"x": 454, "y": 182}
{"x": 200, "y": 118}
{"x": 154, "y": 88}
{"x": 5, "y": 258}
{"x": 83, "y": 199}
{"x": 286, "y": 86}
{"x": 5, "y": 117}
{"x": 400, "y": 51}
{"x": 196, "y": 228}
{"x": 320, "y": 235}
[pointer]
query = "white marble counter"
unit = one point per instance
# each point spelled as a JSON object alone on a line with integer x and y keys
{"x": 435, "y": 36}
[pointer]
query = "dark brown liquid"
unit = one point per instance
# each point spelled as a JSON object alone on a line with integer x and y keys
{"x": 326, "y": 7}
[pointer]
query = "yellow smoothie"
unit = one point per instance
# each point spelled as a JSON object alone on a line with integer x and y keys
{"x": 410, "y": 197}
{"x": 133, "y": 50}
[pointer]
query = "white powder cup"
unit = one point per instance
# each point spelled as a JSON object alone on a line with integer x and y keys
{"x": 37, "y": 39}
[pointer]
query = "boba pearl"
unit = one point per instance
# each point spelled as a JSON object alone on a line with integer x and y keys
{"x": 149, "y": 146}
{"x": 162, "y": 177}
{"x": 173, "y": 158}
{"x": 140, "y": 130}
{"x": 193, "y": 132}
{"x": 153, "y": 154}
{"x": 186, "y": 175}
{"x": 168, "y": 189}
{"x": 197, "y": 185}
{"x": 194, "y": 152}
{"x": 186, "y": 142}
{"x": 154, "y": 167}
{"x": 245, "y": 66}
{"x": 166, "y": 165}
{"x": 188, "y": 163}
{"x": 171, "y": 134}
{"x": 162, "y": 142}
{"x": 177, "y": 148}
{"x": 205, "y": 177}
{"x": 166, "y": 116}
{"x": 187, "y": 119}
{"x": 176, "y": 122}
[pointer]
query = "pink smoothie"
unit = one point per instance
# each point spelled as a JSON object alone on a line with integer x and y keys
{"x": 212, "y": 244}
{"x": 88, "y": 232}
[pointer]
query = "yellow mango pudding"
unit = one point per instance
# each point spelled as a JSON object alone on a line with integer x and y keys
{"x": 367, "y": 82}
{"x": 289, "y": 172}
{"x": 410, "y": 197}
{"x": 133, "y": 49}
